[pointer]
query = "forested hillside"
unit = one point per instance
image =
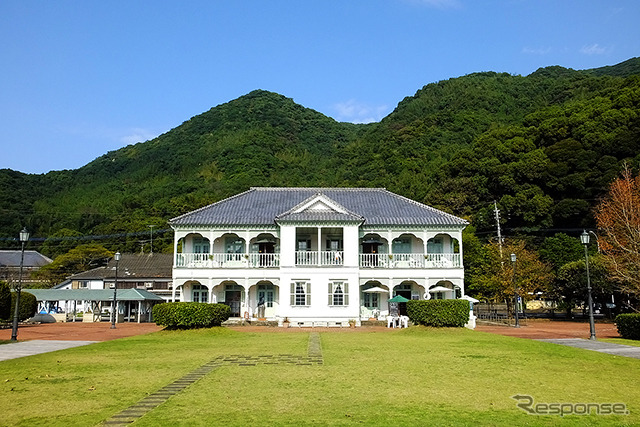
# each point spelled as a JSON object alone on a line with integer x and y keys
{"x": 544, "y": 146}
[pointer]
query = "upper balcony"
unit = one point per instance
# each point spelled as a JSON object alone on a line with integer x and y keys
{"x": 225, "y": 260}
{"x": 318, "y": 259}
{"x": 410, "y": 260}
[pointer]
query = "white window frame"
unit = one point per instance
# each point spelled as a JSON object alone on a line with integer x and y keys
{"x": 335, "y": 296}
{"x": 303, "y": 298}
{"x": 200, "y": 293}
{"x": 371, "y": 300}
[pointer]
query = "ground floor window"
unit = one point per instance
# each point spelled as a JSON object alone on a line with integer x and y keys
{"x": 371, "y": 300}
{"x": 199, "y": 293}
{"x": 338, "y": 293}
{"x": 300, "y": 293}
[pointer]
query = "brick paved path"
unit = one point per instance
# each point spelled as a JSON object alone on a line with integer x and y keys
{"x": 132, "y": 413}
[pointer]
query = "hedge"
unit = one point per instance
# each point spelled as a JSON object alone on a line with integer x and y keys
{"x": 184, "y": 315}
{"x": 439, "y": 313}
{"x": 5, "y": 301}
{"x": 629, "y": 325}
{"x": 28, "y": 306}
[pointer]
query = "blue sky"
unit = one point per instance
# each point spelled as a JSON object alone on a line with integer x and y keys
{"x": 81, "y": 78}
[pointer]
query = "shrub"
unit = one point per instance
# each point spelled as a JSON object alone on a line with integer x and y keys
{"x": 5, "y": 301}
{"x": 629, "y": 325}
{"x": 439, "y": 313}
{"x": 186, "y": 315}
{"x": 28, "y": 306}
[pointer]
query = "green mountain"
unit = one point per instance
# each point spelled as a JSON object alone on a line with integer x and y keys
{"x": 544, "y": 146}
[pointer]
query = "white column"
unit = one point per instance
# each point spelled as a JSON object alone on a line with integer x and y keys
{"x": 246, "y": 297}
{"x": 139, "y": 310}
{"x": 319, "y": 244}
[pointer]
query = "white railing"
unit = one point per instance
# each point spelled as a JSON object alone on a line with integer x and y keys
{"x": 442, "y": 261}
{"x": 374, "y": 260}
{"x": 313, "y": 258}
{"x": 410, "y": 261}
{"x": 225, "y": 260}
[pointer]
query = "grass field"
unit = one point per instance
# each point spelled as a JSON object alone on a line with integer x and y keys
{"x": 415, "y": 376}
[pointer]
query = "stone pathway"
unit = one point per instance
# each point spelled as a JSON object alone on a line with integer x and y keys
{"x": 29, "y": 348}
{"x": 602, "y": 347}
{"x": 146, "y": 405}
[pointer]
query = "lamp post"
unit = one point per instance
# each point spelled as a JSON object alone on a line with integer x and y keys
{"x": 24, "y": 237}
{"x": 515, "y": 291}
{"x": 114, "y": 308}
{"x": 584, "y": 238}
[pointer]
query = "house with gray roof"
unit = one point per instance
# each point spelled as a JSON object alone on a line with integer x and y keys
{"x": 316, "y": 256}
{"x": 10, "y": 264}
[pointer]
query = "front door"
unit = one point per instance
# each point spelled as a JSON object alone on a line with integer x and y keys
{"x": 233, "y": 299}
{"x": 265, "y": 301}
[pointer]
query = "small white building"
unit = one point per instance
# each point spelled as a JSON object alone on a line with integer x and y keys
{"x": 316, "y": 256}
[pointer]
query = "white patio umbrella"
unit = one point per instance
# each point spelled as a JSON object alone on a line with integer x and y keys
{"x": 440, "y": 289}
{"x": 376, "y": 290}
{"x": 468, "y": 298}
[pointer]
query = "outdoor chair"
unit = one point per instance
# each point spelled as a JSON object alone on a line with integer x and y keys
{"x": 403, "y": 322}
{"x": 391, "y": 321}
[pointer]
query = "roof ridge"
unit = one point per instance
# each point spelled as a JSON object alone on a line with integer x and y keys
{"x": 319, "y": 189}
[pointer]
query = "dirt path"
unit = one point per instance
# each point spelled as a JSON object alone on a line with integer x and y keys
{"x": 535, "y": 329}
{"x": 546, "y": 329}
{"x": 79, "y": 331}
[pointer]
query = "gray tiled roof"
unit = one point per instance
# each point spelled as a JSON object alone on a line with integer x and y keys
{"x": 131, "y": 266}
{"x": 262, "y": 206}
{"x": 11, "y": 258}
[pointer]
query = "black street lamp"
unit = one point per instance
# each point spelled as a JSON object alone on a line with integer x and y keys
{"x": 584, "y": 238}
{"x": 515, "y": 291}
{"x": 114, "y": 307}
{"x": 24, "y": 237}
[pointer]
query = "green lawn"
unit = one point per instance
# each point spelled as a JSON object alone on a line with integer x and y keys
{"x": 415, "y": 376}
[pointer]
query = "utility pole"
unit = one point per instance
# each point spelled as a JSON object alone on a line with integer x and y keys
{"x": 151, "y": 227}
{"x": 497, "y": 213}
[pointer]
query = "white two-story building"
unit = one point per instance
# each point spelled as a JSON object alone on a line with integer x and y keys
{"x": 320, "y": 256}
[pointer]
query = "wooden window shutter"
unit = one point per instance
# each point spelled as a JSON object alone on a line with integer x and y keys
{"x": 293, "y": 293}
{"x": 308, "y": 294}
{"x": 345, "y": 289}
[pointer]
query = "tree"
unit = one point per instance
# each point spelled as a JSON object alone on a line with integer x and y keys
{"x": 571, "y": 284}
{"x": 81, "y": 258}
{"x": 496, "y": 282}
{"x": 560, "y": 250}
{"x": 618, "y": 218}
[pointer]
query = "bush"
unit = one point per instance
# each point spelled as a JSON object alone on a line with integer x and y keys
{"x": 186, "y": 315}
{"x": 28, "y": 306}
{"x": 5, "y": 301}
{"x": 629, "y": 325}
{"x": 439, "y": 313}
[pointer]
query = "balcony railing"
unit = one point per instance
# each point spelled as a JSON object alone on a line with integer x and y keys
{"x": 225, "y": 260}
{"x": 317, "y": 258}
{"x": 314, "y": 258}
{"x": 410, "y": 261}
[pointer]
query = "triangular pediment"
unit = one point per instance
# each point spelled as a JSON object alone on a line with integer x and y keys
{"x": 319, "y": 207}
{"x": 319, "y": 203}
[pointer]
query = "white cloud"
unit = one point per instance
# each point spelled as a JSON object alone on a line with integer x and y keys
{"x": 594, "y": 49}
{"x": 136, "y": 135}
{"x": 357, "y": 112}
{"x": 536, "y": 50}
